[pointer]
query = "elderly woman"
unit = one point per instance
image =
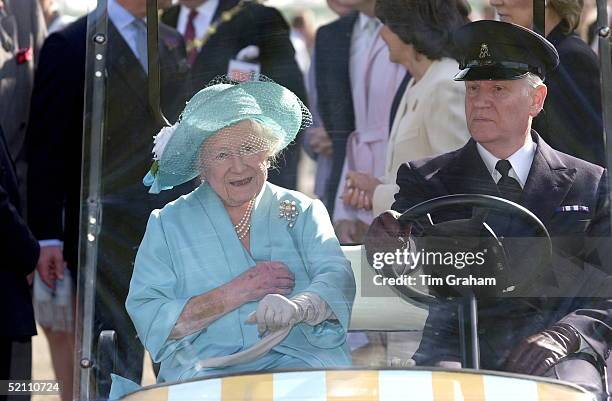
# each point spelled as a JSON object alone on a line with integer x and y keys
{"x": 430, "y": 119}
{"x": 238, "y": 275}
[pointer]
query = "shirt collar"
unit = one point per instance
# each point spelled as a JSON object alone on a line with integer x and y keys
{"x": 207, "y": 8}
{"x": 363, "y": 21}
{"x": 119, "y": 16}
{"x": 520, "y": 160}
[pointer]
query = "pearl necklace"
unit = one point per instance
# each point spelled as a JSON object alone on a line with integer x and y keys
{"x": 244, "y": 225}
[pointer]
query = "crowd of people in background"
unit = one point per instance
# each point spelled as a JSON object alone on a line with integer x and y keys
{"x": 372, "y": 92}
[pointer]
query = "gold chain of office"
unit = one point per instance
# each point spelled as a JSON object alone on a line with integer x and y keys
{"x": 226, "y": 16}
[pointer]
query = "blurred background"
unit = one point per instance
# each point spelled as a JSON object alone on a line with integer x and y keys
{"x": 322, "y": 14}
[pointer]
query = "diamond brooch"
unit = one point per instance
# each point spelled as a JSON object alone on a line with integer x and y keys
{"x": 288, "y": 211}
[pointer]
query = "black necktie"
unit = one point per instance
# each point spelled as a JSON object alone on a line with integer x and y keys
{"x": 508, "y": 187}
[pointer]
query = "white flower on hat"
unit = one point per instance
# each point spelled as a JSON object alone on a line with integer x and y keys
{"x": 161, "y": 140}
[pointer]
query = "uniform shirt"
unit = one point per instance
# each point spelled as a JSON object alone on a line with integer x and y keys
{"x": 123, "y": 19}
{"x": 201, "y": 22}
{"x": 520, "y": 160}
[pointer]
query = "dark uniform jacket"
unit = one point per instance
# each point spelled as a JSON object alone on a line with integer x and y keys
{"x": 555, "y": 180}
{"x": 19, "y": 250}
{"x": 265, "y": 28}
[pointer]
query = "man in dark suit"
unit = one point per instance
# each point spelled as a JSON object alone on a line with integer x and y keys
{"x": 55, "y": 142}
{"x": 233, "y": 26}
{"x": 20, "y": 253}
{"x": 334, "y": 96}
{"x": 22, "y": 32}
{"x": 317, "y": 141}
{"x": 565, "y": 337}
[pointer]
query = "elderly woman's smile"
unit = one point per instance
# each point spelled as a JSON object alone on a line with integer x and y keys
{"x": 239, "y": 183}
{"x": 235, "y": 161}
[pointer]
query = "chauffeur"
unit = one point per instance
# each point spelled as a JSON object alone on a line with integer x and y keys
{"x": 503, "y": 66}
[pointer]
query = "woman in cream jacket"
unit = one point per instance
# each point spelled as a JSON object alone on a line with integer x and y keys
{"x": 430, "y": 119}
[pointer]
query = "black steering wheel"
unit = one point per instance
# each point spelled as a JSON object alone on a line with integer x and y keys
{"x": 464, "y": 233}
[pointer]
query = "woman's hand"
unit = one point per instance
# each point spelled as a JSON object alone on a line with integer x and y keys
{"x": 350, "y": 231}
{"x": 320, "y": 142}
{"x": 266, "y": 278}
{"x": 51, "y": 264}
{"x": 345, "y": 231}
{"x": 359, "y": 190}
{"x": 257, "y": 282}
{"x": 275, "y": 312}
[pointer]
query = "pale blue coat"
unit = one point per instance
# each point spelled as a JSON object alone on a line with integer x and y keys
{"x": 190, "y": 247}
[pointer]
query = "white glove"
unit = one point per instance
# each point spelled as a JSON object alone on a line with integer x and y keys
{"x": 248, "y": 53}
{"x": 274, "y": 312}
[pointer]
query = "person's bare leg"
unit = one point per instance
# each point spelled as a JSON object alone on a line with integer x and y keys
{"x": 61, "y": 346}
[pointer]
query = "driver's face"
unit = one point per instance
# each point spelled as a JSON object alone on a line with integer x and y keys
{"x": 500, "y": 112}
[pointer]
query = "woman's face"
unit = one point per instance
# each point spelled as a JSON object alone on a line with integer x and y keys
{"x": 235, "y": 163}
{"x": 399, "y": 52}
{"x": 518, "y": 12}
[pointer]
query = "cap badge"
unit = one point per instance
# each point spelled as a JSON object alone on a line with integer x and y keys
{"x": 484, "y": 51}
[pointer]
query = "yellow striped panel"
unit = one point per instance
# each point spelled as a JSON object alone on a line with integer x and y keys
{"x": 352, "y": 385}
{"x": 153, "y": 394}
{"x": 247, "y": 388}
{"x": 364, "y": 386}
{"x": 305, "y": 385}
{"x": 449, "y": 386}
{"x": 555, "y": 392}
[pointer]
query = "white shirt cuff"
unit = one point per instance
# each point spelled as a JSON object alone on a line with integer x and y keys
{"x": 50, "y": 242}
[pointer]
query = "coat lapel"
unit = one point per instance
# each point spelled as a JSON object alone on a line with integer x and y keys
{"x": 170, "y": 17}
{"x": 397, "y": 99}
{"x": 550, "y": 174}
{"x": 125, "y": 65}
{"x": 223, "y": 6}
{"x": 237, "y": 262}
{"x": 8, "y": 33}
{"x": 9, "y": 44}
{"x": 214, "y": 43}
{"x": 261, "y": 230}
{"x": 342, "y": 47}
{"x": 467, "y": 173}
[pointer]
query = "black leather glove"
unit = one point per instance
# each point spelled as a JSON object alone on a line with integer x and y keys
{"x": 539, "y": 352}
{"x": 386, "y": 234}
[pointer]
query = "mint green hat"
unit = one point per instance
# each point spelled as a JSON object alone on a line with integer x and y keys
{"x": 213, "y": 108}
